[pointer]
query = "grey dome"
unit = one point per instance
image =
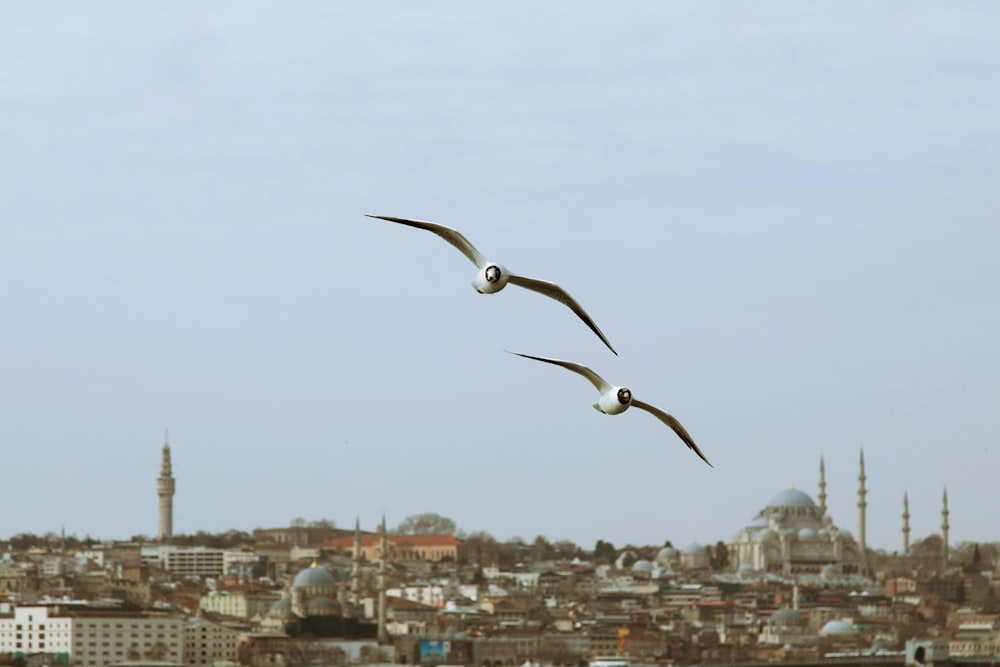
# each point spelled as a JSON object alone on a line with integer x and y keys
{"x": 791, "y": 498}
{"x": 787, "y": 617}
{"x": 829, "y": 570}
{"x": 838, "y": 628}
{"x": 280, "y": 609}
{"x": 320, "y": 603}
{"x": 766, "y": 534}
{"x": 642, "y": 566}
{"x": 314, "y": 577}
{"x": 807, "y": 534}
{"x": 694, "y": 549}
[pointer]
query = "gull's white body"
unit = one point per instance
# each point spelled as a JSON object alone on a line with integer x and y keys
{"x": 499, "y": 274}
{"x": 491, "y": 277}
{"x": 616, "y": 400}
{"x": 609, "y": 403}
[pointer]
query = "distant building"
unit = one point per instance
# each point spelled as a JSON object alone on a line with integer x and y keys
{"x": 207, "y": 643}
{"x": 299, "y": 536}
{"x": 405, "y": 547}
{"x": 238, "y": 604}
{"x": 92, "y": 637}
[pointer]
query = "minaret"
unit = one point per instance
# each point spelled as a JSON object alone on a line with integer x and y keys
{"x": 356, "y": 563}
{"x": 906, "y": 525}
{"x": 165, "y": 489}
{"x": 383, "y": 634}
{"x": 822, "y": 488}
{"x": 944, "y": 530}
{"x": 862, "y": 544}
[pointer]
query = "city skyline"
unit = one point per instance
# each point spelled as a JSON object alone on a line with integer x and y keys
{"x": 782, "y": 215}
{"x": 165, "y": 482}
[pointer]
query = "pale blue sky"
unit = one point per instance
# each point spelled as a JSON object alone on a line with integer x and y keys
{"x": 783, "y": 215}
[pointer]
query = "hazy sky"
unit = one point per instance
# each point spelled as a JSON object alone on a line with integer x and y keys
{"x": 782, "y": 214}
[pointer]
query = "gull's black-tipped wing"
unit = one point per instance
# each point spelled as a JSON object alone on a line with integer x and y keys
{"x": 553, "y": 291}
{"x": 670, "y": 421}
{"x": 600, "y": 383}
{"x": 452, "y": 236}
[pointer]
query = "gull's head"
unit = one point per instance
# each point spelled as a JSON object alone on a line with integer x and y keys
{"x": 491, "y": 278}
{"x": 624, "y": 396}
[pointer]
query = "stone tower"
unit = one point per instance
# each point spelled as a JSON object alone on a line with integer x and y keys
{"x": 944, "y": 529}
{"x": 906, "y": 525}
{"x": 165, "y": 489}
{"x": 356, "y": 563}
{"x": 822, "y": 487}
{"x": 862, "y": 504}
{"x": 383, "y": 582}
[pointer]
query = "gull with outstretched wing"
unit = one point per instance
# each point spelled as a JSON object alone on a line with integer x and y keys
{"x": 493, "y": 277}
{"x": 616, "y": 400}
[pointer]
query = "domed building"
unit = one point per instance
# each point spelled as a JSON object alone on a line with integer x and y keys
{"x": 694, "y": 557}
{"x": 316, "y": 604}
{"x": 794, "y": 535}
{"x": 786, "y": 626}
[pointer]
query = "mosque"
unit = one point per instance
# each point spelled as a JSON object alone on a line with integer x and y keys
{"x": 794, "y": 535}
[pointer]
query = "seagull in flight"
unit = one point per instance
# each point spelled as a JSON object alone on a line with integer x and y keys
{"x": 616, "y": 400}
{"x": 493, "y": 277}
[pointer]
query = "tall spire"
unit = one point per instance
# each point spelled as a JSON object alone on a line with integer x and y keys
{"x": 944, "y": 529}
{"x": 862, "y": 504}
{"x": 822, "y": 487}
{"x": 906, "y": 524}
{"x": 383, "y": 633}
{"x": 165, "y": 490}
{"x": 356, "y": 562}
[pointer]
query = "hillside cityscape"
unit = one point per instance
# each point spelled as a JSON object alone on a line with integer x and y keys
{"x": 791, "y": 587}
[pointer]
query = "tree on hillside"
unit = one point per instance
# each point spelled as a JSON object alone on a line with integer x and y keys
{"x": 541, "y": 549}
{"x": 481, "y": 548}
{"x": 929, "y": 546}
{"x": 604, "y": 551}
{"x": 428, "y": 523}
{"x": 719, "y": 556}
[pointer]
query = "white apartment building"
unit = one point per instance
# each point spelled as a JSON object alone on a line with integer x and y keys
{"x": 240, "y": 605}
{"x": 429, "y": 594}
{"x": 92, "y": 637}
{"x": 186, "y": 561}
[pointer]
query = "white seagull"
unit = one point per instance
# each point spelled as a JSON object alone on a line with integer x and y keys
{"x": 493, "y": 277}
{"x": 616, "y": 400}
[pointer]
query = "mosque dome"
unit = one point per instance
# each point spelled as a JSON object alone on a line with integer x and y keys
{"x": 788, "y": 617}
{"x": 280, "y": 609}
{"x": 745, "y": 570}
{"x": 838, "y": 628}
{"x": 829, "y": 570}
{"x": 314, "y": 577}
{"x": 642, "y": 566}
{"x": 791, "y": 498}
{"x": 822, "y": 534}
{"x": 323, "y": 604}
{"x": 694, "y": 549}
{"x": 667, "y": 553}
{"x": 764, "y": 535}
{"x": 807, "y": 534}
